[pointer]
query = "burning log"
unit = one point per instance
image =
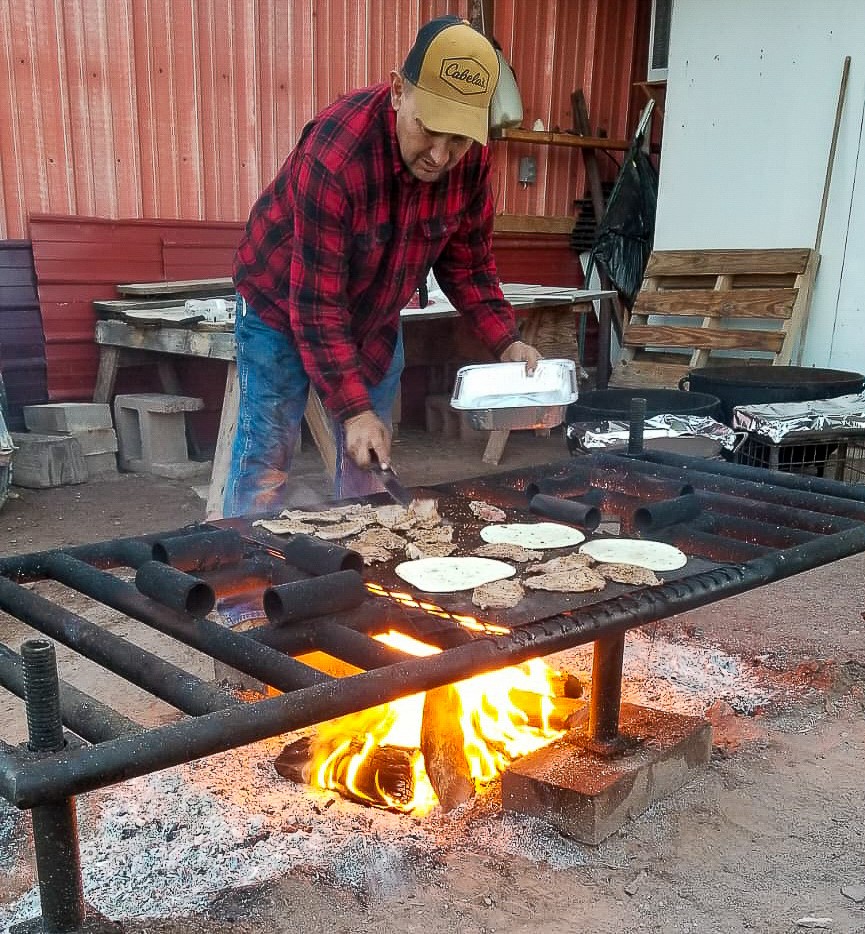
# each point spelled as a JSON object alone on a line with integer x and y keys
{"x": 562, "y": 713}
{"x": 442, "y": 743}
{"x": 385, "y": 772}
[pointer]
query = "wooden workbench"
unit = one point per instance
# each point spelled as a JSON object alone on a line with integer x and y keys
{"x": 127, "y": 343}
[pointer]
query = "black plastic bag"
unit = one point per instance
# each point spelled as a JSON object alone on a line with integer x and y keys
{"x": 623, "y": 242}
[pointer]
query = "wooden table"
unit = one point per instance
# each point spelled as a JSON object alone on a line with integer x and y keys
{"x": 126, "y": 343}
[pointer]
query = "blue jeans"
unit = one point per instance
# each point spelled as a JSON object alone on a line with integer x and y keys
{"x": 273, "y": 393}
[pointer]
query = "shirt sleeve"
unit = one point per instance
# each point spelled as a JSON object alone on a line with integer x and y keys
{"x": 317, "y": 303}
{"x": 466, "y": 270}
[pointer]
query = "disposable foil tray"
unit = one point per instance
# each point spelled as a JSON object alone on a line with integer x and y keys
{"x": 502, "y": 396}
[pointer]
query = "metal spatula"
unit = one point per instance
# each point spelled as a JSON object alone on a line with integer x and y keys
{"x": 390, "y": 481}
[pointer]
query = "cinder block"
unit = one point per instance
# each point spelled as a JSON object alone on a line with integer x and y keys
{"x": 588, "y": 796}
{"x": 93, "y": 440}
{"x": 43, "y": 461}
{"x": 100, "y": 464}
{"x": 151, "y": 434}
{"x": 66, "y": 417}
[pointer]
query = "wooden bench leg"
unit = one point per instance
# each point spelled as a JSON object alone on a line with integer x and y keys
{"x": 495, "y": 446}
{"x": 224, "y": 441}
{"x": 106, "y": 376}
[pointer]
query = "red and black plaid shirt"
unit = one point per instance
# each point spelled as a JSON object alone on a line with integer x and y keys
{"x": 339, "y": 241}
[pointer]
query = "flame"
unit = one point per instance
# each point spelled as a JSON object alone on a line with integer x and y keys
{"x": 350, "y": 753}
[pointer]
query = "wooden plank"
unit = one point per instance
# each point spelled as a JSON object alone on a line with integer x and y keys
{"x": 636, "y": 374}
{"x": 545, "y": 138}
{"x": 727, "y": 262}
{"x": 495, "y": 446}
{"x": 224, "y": 441}
{"x": 218, "y": 345}
{"x": 708, "y": 338}
{"x": 796, "y": 327}
{"x": 724, "y": 303}
{"x": 518, "y": 223}
{"x": 209, "y": 287}
{"x": 319, "y": 425}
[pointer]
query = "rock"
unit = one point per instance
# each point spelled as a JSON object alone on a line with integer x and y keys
{"x": 814, "y": 923}
{"x": 855, "y": 893}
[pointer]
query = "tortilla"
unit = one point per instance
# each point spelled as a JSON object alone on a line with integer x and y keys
{"x": 563, "y": 563}
{"x": 656, "y": 556}
{"x": 507, "y": 552}
{"x": 533, "y": 534}
{"x": 285, "y": 526}
{"x": 448, "y": 575}
{"x": 429, "y": 549}
{"x": 487, "y": 511}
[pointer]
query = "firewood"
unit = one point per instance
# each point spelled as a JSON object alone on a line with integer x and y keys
{"x": 442, "y": 745}
{"x": 388, "y": 768}
{"x": 566, "y": 713}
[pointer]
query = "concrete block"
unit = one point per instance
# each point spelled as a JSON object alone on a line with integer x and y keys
{"x": 66, "y": 417}
{"x": 43, "y": 461}
{"x": 97, "y": 441}
{"x": 588, "y": 796}
{"x": 100, "y": 464}
{"x": 151, "y": 435}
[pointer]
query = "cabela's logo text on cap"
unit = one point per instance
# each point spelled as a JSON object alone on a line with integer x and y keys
{"x": 465, "y": 75}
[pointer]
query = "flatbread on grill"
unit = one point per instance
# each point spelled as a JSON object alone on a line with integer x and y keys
{"x": 533, "y": 534}
{"x": 656, "y": 556}
{"x": 371, "y": 554}
{"x": 487, "y": 511}
{"x": 627, "y": 574}
{"x": 449, "y": 575}
{"x": 441, "y": 533}
{"x": 339, "y": 530}
{"x": 578, "y": 580}
{"x": 380, "y": 538}
{"x": 507, "y": 552}
{"x": 499, "y": 595}
{"x": 569, "y": 562}
{"x": 355, "y": 511}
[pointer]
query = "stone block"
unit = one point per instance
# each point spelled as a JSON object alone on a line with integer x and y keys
{"x": 66, "y": 417}
{"x": 588, "y": 796}
{"x": 97, "y": 441}
{"x": 151, "y": 435}
{"x": 100, "y": 464}
{"x": 43, "y": 461}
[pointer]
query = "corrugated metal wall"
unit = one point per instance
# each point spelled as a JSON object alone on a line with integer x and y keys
{"x": 186, "y": 108}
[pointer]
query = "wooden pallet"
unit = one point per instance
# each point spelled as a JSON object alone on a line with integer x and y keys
{"x": 750, "y": 305}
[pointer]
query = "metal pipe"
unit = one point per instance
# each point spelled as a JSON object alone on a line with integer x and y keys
{"x": 807, "y": 520}
{"x": 83, "y": 714}
{"x": 314, "y": 596}
{"x": 55, "y": 827}
{"x": 780, "y": 478}
{"x": 314, "y": 555}
{"x": 354, "y": 647}
{"x": 751, "y": 530}
{"x": 579, "y": 514}
{"x": 636, "y": 425}
{"x": 174, "y": 685}
{"x": 585, "y": 477}
{"x": 705, "y": 545}
{"x": 199, "y": 551}
{"x": 659, "y": 515}
{"x": 605, "y": 701}
{"x": 175, "y": 589}
{"x": 232, "y": 648}
{"x": 77, "y": 771}
{"x": 757, "y": 489}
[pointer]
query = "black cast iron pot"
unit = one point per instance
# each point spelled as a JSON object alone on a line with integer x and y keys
{"x": 756, "y": 385}
{"x": 615, "y": 404}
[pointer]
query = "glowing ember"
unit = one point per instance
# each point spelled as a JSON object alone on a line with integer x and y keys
{"x": 374, "y": 756}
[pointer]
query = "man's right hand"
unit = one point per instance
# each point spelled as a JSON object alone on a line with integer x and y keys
{"x": 365, "y": 433}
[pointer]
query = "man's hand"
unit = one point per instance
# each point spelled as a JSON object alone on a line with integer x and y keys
{"x": 520, "y": 352}
{"x": 364, "y": 433}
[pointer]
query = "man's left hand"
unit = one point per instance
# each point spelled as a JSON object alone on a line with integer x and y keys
{"x": 520, "y": 352}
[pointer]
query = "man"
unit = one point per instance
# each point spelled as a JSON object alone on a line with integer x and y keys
{"x": 383, "y": 185}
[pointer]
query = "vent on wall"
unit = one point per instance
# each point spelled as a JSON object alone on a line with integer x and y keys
{"x": 659, "y": 39}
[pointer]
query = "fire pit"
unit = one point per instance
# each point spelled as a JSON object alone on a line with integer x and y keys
{"x": 738, "y": 530}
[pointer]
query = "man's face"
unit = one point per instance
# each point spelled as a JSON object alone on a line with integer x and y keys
{"x": 427, "y": 155}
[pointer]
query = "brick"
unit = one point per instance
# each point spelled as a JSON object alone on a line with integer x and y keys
{"x": 43, "y": 461}
{"x": 65, "y": 417}
{"x": 587, "y": 796}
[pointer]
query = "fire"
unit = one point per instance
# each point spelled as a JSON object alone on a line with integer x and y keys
{"x": 375, "y": 756}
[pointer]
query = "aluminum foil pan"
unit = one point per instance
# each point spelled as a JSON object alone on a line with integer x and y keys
{"x": 502, "y": 396}
{"x": 598, "y": 436}
{"x": 777, "y": 420}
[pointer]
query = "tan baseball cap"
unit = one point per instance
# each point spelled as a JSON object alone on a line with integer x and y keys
{"x": 454, "y": 70}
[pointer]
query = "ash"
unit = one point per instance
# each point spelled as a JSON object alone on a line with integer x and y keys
{"x": 676, "y": 676}
{"x": 167, "y": 844}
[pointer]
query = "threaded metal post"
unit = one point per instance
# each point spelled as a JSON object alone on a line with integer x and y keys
{"x": 636, "y": 425}
{"x": 55, "y": 825}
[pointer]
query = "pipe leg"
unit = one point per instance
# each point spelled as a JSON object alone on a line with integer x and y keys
{"x": 606, "y": 698}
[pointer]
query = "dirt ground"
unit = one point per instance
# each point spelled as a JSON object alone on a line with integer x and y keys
{"x": 769, "y": 838}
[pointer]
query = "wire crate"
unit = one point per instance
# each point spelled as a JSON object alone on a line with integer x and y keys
{"x": 836, "y": 455}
